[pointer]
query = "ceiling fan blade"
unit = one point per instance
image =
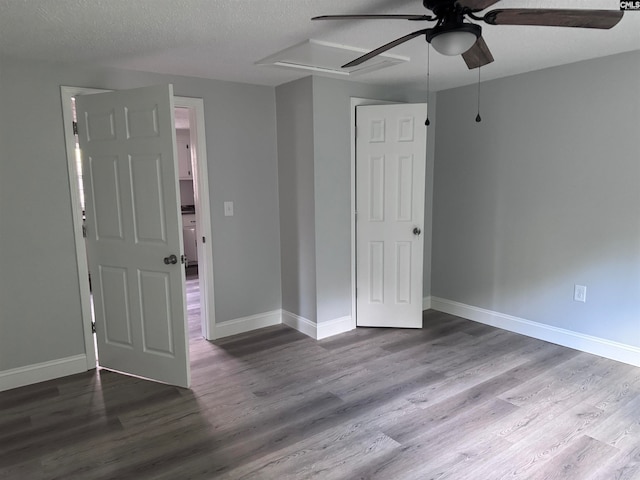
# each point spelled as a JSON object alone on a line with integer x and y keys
{"x": 384, "y": 48}
{"x": 478, "y": 56}
{"x": 554, "y": 17}
{"x": 373, "y": 17}
{"x": 477, "y": 5}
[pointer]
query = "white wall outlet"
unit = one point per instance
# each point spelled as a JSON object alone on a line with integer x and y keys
{"x": 228, "y": 209}
{"x": 580, "y": 293}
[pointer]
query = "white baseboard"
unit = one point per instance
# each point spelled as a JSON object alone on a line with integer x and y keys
{"x": 334, "y": 327}
{"x": 41, "y": 372}
{"x": 246, "y": 324}
{"x": 426, "y": 303}
{"x": 303, "y": 325}
{"x": 578, "y": 341}
{"x": 317, "y": 331}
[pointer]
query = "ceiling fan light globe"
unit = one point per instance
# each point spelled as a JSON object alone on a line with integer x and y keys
{"x": 454, "y": 42}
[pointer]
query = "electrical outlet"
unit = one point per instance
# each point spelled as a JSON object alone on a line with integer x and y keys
{"x": 580, "y": 293}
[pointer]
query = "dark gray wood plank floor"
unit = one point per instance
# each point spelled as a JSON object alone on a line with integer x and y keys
{"x": 455, "y": 400}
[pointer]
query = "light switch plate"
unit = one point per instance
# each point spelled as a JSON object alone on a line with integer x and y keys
{"x": 580, "y": 293}
{"x": 228, "y": 209}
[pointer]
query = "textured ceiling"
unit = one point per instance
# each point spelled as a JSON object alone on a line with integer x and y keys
{"x": 223, "y": 39}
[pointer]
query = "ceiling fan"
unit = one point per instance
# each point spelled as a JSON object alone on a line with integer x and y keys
{"x": 452, "y": 35}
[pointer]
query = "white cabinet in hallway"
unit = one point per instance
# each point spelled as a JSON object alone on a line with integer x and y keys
{"x": 190, "y": 238}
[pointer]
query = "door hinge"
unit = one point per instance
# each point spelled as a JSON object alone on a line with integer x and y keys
{"x": 93, "y": 327}
{"x": 75, "y": 128}
{"x": 84, "y": 231}
{"x": 203, "y": 240}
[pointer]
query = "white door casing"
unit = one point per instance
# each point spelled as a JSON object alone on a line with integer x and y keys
{"x": 127, "y": 139}
{"x": 390, "y": 183}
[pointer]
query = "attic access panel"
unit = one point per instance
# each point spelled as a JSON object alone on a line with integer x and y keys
{"x": 327, "y": 58}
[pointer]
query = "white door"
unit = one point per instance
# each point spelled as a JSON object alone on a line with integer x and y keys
{"x": 390, "y": 177}
{"x": 134, "y": 232}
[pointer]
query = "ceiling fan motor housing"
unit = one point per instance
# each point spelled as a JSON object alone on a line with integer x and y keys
{"x": 439, "y": 6}
{"x": 450, "y": 17}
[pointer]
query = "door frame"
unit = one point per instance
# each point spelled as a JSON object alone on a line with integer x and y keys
{"x": 203, "y": 215}
{"x": 355, "y": 102}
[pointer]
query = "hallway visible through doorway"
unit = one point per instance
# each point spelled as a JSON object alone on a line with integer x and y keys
{"x": 192, "y": 287}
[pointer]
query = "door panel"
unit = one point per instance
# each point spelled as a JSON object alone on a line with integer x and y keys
{"x": 390, "y": 176}
{"x": 403, "y": 272}
{"x": 106, "y": 196}
{"x": 127, "y": 139}
{"x": 156, "y": 312}
{"x": 148, "y": 210}
{"x": 114, "y": 292}
{"x": 376, "y": 272}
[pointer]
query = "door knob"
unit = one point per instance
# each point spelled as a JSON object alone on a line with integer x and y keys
{"x": 171, "y": 259}
{"x": 417, "y": 231}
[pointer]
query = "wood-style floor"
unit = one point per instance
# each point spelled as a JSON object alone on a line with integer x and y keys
{"x": 455, "y": 400}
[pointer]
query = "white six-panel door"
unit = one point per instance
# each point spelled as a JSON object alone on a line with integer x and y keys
{"x": 390, "y": 178}
{"x": 134, "y": 232}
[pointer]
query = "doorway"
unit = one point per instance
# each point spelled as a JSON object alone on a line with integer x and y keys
{"x": 192, "y": 110}
{"x": 187, "y": 157}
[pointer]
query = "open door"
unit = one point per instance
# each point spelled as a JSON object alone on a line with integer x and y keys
{"x": 134, "y": 232}
{"x": 390, "y": 181}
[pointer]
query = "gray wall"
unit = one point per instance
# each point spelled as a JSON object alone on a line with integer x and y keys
{"x": 328, "y": 186}
{"x": 542, "y": 195}
{"x": 296, "y": 191}
{"x": 39, "y": 288}
{"x": 39, "y": 299}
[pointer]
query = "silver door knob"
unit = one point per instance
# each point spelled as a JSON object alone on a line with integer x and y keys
{"x": 171, "y": 259}
{"x": 417, "y": 231}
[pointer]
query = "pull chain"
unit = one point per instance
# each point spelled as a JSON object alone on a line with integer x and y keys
{"x": 427, "y": 122}
{"x": 478, "y": 117}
